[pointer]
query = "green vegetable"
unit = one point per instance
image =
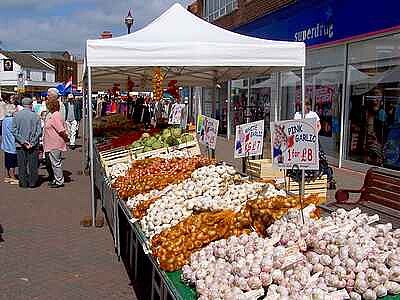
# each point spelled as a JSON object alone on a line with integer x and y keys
{"x": 147, "y": 149}
{"x": 156, "y": 145}
{"x": 176, "y": 132}
{"x": 137, "y": 144}
{"x": 186, "y": 138}
{"x": 149, "y": 142}
{"x": 171, "y": 141}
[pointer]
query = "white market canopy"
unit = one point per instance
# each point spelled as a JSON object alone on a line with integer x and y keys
{"x": 188, "y": 49}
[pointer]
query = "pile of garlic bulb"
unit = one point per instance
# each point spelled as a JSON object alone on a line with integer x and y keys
{"x": 232, "y": 197}
{"x": 184, "y": 153}
{"x": 173, "y": 207}
{"x": 118, "y": 170}
{"x": 210, "y": 188}
{"x": 342, "y": 256}
{"x": 228, "y": 269}
{"x": 134, "y": 201}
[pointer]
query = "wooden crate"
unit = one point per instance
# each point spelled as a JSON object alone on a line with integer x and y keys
{"x": 262, "y": 168}
{"x": 319, "y": 187}
{"x": 117, "y": 156}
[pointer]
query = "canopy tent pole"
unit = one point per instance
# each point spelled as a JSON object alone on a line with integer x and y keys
{"x": 83, "y": 131}
{"x": 303, "y": 104}
{"x": 248, "y": 100}
{"x": 228, "y": 111}
{"x": 190, "y": 104}
{"x": 90, "y": 113}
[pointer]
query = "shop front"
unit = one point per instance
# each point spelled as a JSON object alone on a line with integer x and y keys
{"x": 352, "y": 76}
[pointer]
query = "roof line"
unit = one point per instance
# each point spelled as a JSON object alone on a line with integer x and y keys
{"x": 42, "y": 61}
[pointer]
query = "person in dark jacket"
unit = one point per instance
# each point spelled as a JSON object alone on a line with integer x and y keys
{"x": 27, "y": 130}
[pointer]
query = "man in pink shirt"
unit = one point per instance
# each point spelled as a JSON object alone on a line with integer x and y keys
{"x": 54, "y": 143}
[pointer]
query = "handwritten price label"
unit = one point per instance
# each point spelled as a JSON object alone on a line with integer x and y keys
{"x": 295, "y": 143}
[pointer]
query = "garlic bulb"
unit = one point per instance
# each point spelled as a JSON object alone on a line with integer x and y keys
{"x": 117, "y": 170}
{"x": 393, "y": 288}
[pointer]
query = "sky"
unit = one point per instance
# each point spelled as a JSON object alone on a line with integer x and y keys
{"x": 67, "y": 24}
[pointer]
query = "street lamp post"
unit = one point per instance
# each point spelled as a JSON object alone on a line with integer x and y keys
{"x": 129, "y": 21}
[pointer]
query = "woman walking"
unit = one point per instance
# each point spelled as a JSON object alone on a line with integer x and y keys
{"x": 54, "y": 143}
{"x": 8, "y": 145}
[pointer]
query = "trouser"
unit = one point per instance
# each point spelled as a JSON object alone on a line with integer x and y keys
{"x": 49, "y": 167}
{"x": 77, "y": 128}
{"x": 28, "y": 164}
{"x": 72, "y": 127}
{"x": 57, "y": 166}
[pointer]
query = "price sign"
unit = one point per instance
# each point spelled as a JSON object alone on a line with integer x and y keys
{"x": 175, "y": 116}
{"x": 249, "y": 139}
{"x": 295, "y": 142}
{"x": 207, "y": 128}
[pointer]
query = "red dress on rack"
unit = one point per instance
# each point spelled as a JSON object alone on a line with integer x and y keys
{"x": 113, "y": 107}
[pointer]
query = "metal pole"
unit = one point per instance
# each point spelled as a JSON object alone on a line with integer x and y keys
{"x": 90, "y": 113}
{"x": 248, "y": 98}
{"x": 303, "y": 100}
{"x": 190, "y": 104}
{"x": 342, "y": 107}
{"x": 278, "y": 97}
{"x": 228, "y": 111}
{"x": 84, "y": 131}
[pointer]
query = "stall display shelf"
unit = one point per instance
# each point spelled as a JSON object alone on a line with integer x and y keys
{"x": 127, "y": 155}
{"x": 141, "y": 266}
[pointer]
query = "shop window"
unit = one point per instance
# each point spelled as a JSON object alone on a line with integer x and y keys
{"x": 28, "y": 74}
{"x": 324, "y": 85}
{"x": 374, "y": 101}
{"x": 43, "y": 76}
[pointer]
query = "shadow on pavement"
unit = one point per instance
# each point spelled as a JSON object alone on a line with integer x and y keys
{"x": 1, "y": 232}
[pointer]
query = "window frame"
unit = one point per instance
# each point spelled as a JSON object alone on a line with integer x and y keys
{"x": 215, "y": 9}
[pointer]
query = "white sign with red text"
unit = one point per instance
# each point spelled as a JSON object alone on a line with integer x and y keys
{"x": 295, "y": 143}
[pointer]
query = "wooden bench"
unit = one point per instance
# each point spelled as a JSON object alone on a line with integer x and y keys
{"x": 380, "y": 194}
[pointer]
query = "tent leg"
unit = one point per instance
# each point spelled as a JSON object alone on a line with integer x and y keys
{"x": 91, "y": 152}
{"x": 247, "y": 115}
{"x": 228, "y": 111}
{"x": 83, "y": 131}
{"x": 303, "y": 100}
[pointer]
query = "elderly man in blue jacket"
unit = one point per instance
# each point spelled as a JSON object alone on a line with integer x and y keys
{"x": 27, "y": 130}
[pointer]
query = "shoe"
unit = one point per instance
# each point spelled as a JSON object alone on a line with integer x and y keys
{"x": 72, "y": 147}
{"x": 13, "y": 181}
{"x": 50, "y": 183}
{"x": 7, "y": 179}
{"x": 55, "y": 186}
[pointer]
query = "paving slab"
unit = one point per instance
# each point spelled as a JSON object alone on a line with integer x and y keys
{"x": 46, "y": 254}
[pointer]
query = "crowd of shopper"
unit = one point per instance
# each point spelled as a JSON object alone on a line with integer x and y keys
{"x": 32, "y": 131}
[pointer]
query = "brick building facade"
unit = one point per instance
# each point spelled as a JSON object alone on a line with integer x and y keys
{"x": 243, "y": 11}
